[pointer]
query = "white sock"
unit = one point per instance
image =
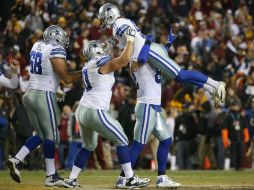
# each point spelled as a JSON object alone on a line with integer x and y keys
{"x": 227, "y": 164}
{"x": 209, "y": 88}
{"x": 50, "y": 166}
{"x": 74, "y": 172}
{"x": 173, "y": 162}
{"x": 23, "y": 152}
{"x": 213, "y": 83}
{"x": 128, "y": 172}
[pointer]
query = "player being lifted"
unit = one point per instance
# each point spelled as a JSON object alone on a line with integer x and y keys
{"x": 47, "y": 61}
{"x": 109, "y": 15}
{"x": 92, "y": 113}
{"x": 13, "y": 81}
{"x": 149, "y": 120}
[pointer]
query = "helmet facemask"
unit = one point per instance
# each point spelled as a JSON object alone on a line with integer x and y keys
{"x": 93, "y": 49}
{"x": 108, "y": 13}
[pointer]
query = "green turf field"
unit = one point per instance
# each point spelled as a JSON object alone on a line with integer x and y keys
{"x": 93, "y": 179}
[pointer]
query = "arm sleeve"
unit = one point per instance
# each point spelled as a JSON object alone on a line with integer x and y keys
{"x": 9, "y": 83}
{"x": 58, "y": 52}
{"x": 121, "y": 29}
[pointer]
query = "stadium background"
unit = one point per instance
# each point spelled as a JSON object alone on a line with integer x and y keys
{"x": 213, "y": 36}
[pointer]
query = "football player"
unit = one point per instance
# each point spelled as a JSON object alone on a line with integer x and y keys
{"x": 92, "y": 113}
{"x": 149, "y": 120}
{"x": 13, "y": 81}
{"x": 47, "y": 62}
{"x": 110, "y": 17}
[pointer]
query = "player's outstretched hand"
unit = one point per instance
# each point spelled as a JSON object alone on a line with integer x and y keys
{"x": 14, "y": 64}
{"x": 60, "y": 95}
{"x": 171, "y": 37}
{"x": 130, "y": 34}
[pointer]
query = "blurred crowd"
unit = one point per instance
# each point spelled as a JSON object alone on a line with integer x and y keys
{"x": 213, "y": 36}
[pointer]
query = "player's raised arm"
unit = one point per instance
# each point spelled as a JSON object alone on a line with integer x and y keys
{"x": 13, "y": 82}
{"x": 60, "y": 67}
{"x": 123, "y": 60}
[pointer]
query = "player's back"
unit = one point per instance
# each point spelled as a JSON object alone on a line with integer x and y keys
{"x": 97, "y": 87}
{"x": 42, "y": 75}
{"x": 119, "y": 27}
{"x": 148, "y": 84}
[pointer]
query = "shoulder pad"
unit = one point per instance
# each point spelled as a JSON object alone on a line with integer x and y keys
{"x": 103, "y": 60}
{"x": 58, "y": 50}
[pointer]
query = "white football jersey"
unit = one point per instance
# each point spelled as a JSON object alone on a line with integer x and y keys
{"x": 42, "y": 75}
{"x": 148, "y": 84}
{"x": 97, "y": 87}
{"x": 119, "y": 27}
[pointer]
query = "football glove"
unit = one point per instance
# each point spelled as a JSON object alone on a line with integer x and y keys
{"x": 171, "y": 37}
{"x": 60, "y": 95}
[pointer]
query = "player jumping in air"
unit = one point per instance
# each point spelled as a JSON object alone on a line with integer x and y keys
{"x": 47, "y": 61}
{"x": 13, "y": 81}
{"x": 157, "y": 55}
{"x": 92, "y": 113}
{"x": 149, "y": 120}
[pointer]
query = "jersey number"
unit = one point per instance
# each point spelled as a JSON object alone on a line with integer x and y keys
{"x": 35, "y": 62}
{"x": 87, "y": 83}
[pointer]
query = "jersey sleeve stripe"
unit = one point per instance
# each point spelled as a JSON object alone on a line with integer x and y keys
{"x": 58, "y": 49}
{"x": 121, "y": 30}
{"x": 103, "y": 61}
{"x": 57, "y": 53}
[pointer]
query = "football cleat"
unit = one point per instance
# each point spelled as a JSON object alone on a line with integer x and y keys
{"x": 14, "y": 166}
{"x": 55, "y": 180}
{"x": 163, "y": 181}
{"x": 219, "y": 94}
{"x": 121, "y": 182}
{"x": 72, "y": 182}
{"x": 135, "y": 182}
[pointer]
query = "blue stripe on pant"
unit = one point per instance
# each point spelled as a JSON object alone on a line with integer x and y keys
{"x": 54, "y": 112}
{"x": 111, "y": 128}
{"x": 158, "y": 57}
{"x": 145, "y": 123}
{"x": 51, "y": 116}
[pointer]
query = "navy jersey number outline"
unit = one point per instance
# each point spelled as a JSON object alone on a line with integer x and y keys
{"x": 87, "y": 83}
{"x": 35, "y": 62}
